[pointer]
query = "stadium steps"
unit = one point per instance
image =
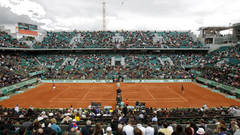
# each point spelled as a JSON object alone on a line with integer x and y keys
{"x": 170, "y": 61}
{"x": 161, "y": 61}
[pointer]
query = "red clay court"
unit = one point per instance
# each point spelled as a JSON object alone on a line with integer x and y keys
{"x": 165, "y": 95}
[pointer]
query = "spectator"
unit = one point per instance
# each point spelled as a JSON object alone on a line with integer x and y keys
{"x": 46, "y": 128}
{"x": 17, "y": 109}
{"x": 22, "y": 131}
{"x": 165, "y": 130}
{"x": 77, "y": 117}
{"x": 148, "y": 119}
{"x": 36, "y": 125}
{"x": 9, "y": 125}
{"x": 91, "y": 131}
{"x": 120, "y": 130}
{"x": 28, "y": 125}
{"x": 137, "y": 131}
{"x": 73, "y": 125}
{"x": 209, "y": 132}
{"x": 2, "y": 124}
{"x": 108, "y": 131}
{"x": 114, "y": 123}
{"x": 194, "y": 126}
{"x": 154, "y": 119}
{"x": 128, "y": 128}
{"x": 98, "y": 129}
{"x": 125, "y": 110}
{"x": 223, "y": 131}
{"x": 200, "y": 131}
{"x": 171, "y": 128}
{"x": 47, "y": 121}
{"x": 205, "y": 106}
{"x": 220, "y": 125}
{"x": 136, "y": 117}
{"x": 139, "y": 125}
{"x": 202, "y": 124}
{"x": 72, "y": 131}
{"x": 40, "y": 132}
{"x": 53, "y": 132}
{"x": 189, "y": 131}
{"x": 149, "y": 129}
{"x": 85, "y": 129}
{"x": 231, "y": 110}
{"x": 233, "y": 92}
{"x": 67, "y": 119}
{"x": 5, "y": 132}
{"x": 178, "y": 131}
{"x": 156, "y": 128}
{"x": 233, "y": 127}
{"x": 54, "y": 126}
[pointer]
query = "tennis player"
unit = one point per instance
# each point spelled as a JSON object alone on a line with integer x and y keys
{"x": 54, "y": 87}
{"x": 182, "y": 89}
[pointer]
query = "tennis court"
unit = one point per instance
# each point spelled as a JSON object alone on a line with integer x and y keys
{"x": 165, "y": 95}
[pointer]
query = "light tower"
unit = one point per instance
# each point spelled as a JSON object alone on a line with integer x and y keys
{"x": 104, "y": 21}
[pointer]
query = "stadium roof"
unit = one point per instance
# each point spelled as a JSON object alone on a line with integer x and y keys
{"x": 214, "y": 28}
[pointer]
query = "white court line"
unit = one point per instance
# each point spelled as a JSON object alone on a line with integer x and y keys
{"x": 177, "y": 94}
{"x": 59, "y": 94}
{"x": 133, "y": 99}
{"x": 87, "y": 93}
{"x": 150, "y": 94}
{"x": 115, "y": 100}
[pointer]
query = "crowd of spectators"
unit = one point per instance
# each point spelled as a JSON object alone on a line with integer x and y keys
{"x": 7, "y": 40}
{"x": 230, "y": 58}
{"x": 222, "y": 75}
{"x": 107, "y": 39}
{"x": 98, "y": 66}
{"x": 56, "y": 40}
{"x": 15, "y": 67}
{"x": 118, "y": 39}
{"x": 148, "y": 121}
{"x": 186, "y": 59}
{"x": 179, "y": 39}
{"x": 136, "y": 39}
{"x": 52, "y": 59}
{"x": 16, "y": 61}
{"x": 8, "y": 78}
{"x": 96, "y": 39}
{"x": 223, "y": 66}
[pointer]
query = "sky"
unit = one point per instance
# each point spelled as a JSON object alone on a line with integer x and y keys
{"x": 120, "y": 14}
